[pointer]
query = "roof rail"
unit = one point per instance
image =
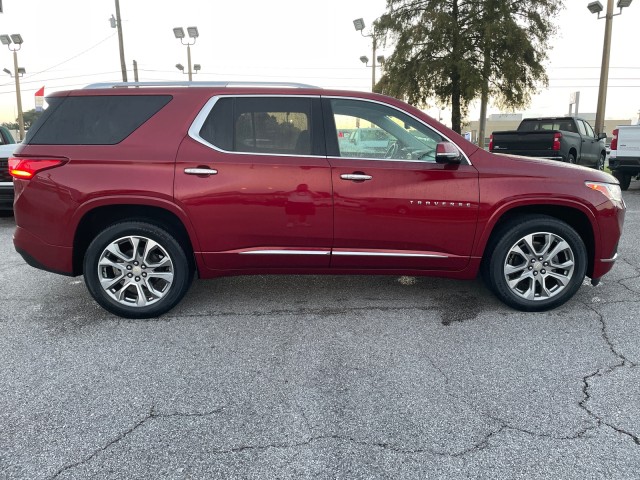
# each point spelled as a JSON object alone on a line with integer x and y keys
{"x": 197, "y": 84}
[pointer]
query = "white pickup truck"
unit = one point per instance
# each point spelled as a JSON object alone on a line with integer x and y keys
{"x": 624, "y": 160}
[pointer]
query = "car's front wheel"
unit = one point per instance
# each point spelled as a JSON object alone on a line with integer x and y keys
{"x": 536, "y": 263}
{"x": 137, "y": 270}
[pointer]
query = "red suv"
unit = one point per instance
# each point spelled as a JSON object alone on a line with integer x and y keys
{"x": 139, "y": 188}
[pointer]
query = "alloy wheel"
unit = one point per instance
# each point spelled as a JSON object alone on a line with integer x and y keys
{"x": 539, "y": 266}
{"x": 135, "y": 271}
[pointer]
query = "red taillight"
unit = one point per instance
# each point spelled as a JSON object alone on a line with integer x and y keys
{"x": 556, "y": 141}
{"x": 491, "y": 143}
{"x": 614, "y": 140}
{"x": 26, "y": 168}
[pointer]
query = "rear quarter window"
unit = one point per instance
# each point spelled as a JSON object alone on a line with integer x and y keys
{"x": 95, "y": 120}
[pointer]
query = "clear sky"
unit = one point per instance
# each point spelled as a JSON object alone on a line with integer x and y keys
{"x": 69, "y": 44}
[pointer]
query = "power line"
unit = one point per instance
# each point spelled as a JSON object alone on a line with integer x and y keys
{"x": 65, "y": 61}
{"x": 595, "y": 68}
{"x": 65, "y": 78}
{"x": 75, "y": 56}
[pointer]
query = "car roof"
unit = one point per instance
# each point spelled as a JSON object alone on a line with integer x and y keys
{"x": 213, "y": 88}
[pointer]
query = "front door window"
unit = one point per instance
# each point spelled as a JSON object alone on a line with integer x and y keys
{"x": 380, "y": 132}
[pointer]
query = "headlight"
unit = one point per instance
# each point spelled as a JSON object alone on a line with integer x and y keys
{"x": 610, "y": 190}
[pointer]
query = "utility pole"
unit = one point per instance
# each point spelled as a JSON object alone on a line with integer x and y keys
{"x": 373, "y": 62}
{"x": 135, "y": 71}
{"x": 604, "y": 71}
{"x": 18, "y": 96}
{"x": 123, "y": 64}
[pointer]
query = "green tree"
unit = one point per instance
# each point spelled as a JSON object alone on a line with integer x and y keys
{"x": 455, "y": 50}
{"x": 29, "y": 117}
{"x": 513, "y": 46}
{"x": 10, "y": 125}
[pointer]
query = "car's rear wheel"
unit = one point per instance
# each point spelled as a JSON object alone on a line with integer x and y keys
{"x": 571, "y": 158}
{"x": 536, "y": 263}
{"x": 137, "y": 270}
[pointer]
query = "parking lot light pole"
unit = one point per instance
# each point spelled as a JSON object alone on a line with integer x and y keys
{"x": 596, "y": 7}
{"x": 16, "y": 40}
{"x": 358, "y": 23}
{"x": 193, "y": 33}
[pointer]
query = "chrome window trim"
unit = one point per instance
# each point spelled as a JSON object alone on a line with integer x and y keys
{"x": 198, "y": 122}
{"x": 405, "y": 113}
{"x": 384, "y": 160}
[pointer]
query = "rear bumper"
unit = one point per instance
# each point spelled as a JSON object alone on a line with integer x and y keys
{"x": 629, "y": 165}
{"x": 6, "y": 196}
{"x": 40, "y": 254}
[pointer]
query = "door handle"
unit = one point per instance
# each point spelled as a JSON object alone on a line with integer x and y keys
{"x": 355, "y": 177}
{"x": 200, "y": 171}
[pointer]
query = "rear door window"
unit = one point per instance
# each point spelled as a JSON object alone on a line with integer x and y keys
{"x": 95, "y": 120}
{"x": 267, "y": 125}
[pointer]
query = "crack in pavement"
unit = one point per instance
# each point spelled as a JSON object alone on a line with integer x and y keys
{"x": 150, "y": 416}
{"x": 504, "y": 425}
{"x": 630, "y": 289}
{"x": 621, "y": 280}
{"x": 637, "y": 270}
{"x": 312, "y": 311}
{"x": 600, "y": 372}
{"x": 382, "y": 445}
{"x": 607, "y": 340}
{"x": 480, "y": 445}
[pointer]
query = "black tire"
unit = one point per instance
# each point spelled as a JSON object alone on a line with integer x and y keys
{"x": 144, "y": 274}
{"x": 601, "y": 161}
{"x": 571, "y": 158}
{"x": 502, "y": 256}
{"x": 623, "y": 178}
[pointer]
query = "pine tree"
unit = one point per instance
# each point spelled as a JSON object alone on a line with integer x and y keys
{"x": 456, "y": 50}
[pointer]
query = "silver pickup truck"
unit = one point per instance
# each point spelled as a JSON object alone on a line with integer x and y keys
{"x": 624, "y": 160}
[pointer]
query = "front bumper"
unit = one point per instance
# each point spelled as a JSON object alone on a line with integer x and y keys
{"x": 610, "y": 221}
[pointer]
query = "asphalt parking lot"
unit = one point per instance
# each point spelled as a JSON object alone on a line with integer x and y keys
{"x": 321, "y": 377}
